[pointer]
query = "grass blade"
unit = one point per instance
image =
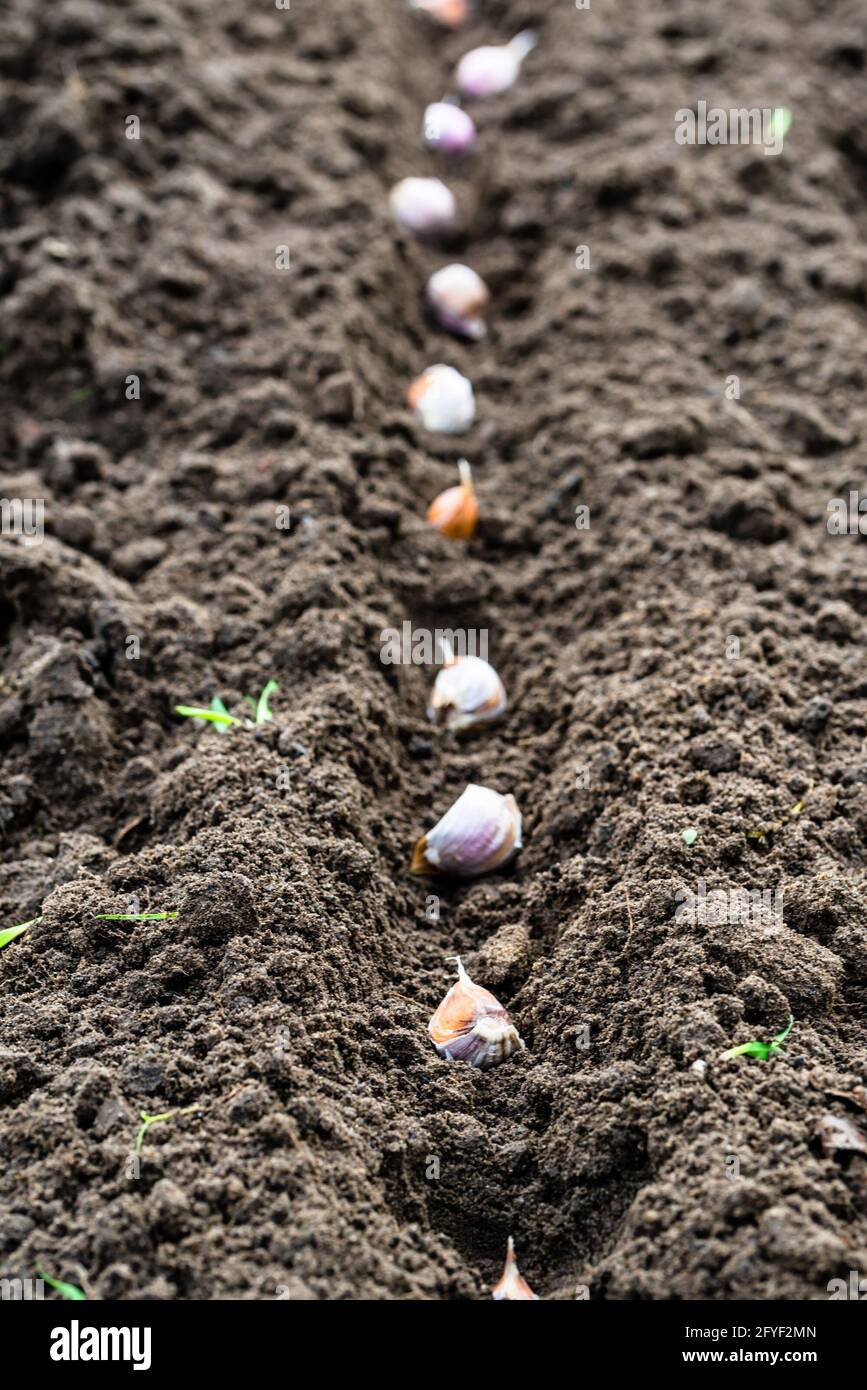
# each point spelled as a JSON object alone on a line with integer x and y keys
{"x": 135, "y": 916}
{"x": 213, "y": 716}
{"x": 9, "y": 933}
{"x": 219, "y": 708}
{"x": 70, "y": 1291}
{"x": 263, "y": 711}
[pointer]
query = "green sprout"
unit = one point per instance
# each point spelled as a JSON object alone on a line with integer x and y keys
{"x": 222, "y": 719}
{"x": 148, "y": 1120}
{"x": 260, "y": 706}
{"x": 135, "y": 916}
{"x": 212, "y": 715}
{"x": 218, "y": 707}
{"x": 781, "y": 119}
{"x": 10, "y": 933}
{"x": 763, "y": 830}
{"x": 70, "y": 1291}
{"x": 762, "y": 1050}
{"x": 689, "y": 837}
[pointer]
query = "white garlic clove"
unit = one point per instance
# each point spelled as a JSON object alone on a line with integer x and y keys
{"x": 513, "y": 1287}
{"x": 424, "y": 206}
{"x": 468, "y": 691}
{"x": 448, "y": 128}
{"x": 458, "y": 298}
{"x": 442, "y": 400}
{"x": 472, "y": 1026}
{"x": 481, "y": 832}
{"x": 485, "y": 72}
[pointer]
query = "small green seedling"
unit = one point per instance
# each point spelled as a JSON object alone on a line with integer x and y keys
{"x": 796, "y": 810}
{"x": 135, "y": 916}
{"x": 148, "y": 1120}
{"x": 218, "y": 707}
{"x": 70, "y": 1291}
{"x": 260, "y": 706}
{"x": 781, "y": 119}
{"x": 690, "y": 837}
{"x": 764, "y": 1051}
{"x": 219, "y": 716}
{"x": 9, "y": 933}
{"x": 213, "y": 716}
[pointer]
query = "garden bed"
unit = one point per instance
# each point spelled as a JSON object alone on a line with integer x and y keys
{"x": 692, "y": 660}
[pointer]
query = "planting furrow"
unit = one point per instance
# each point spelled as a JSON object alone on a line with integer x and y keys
{"x": 217, "y": 1078}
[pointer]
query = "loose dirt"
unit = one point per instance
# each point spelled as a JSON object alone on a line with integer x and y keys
{"x": 692, "y": 660}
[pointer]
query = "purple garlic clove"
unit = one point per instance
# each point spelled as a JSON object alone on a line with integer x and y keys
{"x": 448, "y": 128}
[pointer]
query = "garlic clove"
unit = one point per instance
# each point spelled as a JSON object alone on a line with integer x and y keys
{"x": 479, "y": 833}
{"x": 472, "y": 1026}
{"x": 485, "y": 72}
{"x": 450, "y": 13}
{"x": 512, "y": 1286}
{"x": 455, "y": 512}
{"x": 468, "y": 691}
{"x": 458, "y": 298}
{"x": 424, "y": 206}
{"x": 443, "y": 400}
{"x": 448, "y": 128}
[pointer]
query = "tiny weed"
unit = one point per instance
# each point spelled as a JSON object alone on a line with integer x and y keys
{"x": 764, "y": 1051}
{"x": 219, "y": 716}
{"x": 9, "y": 933}
{"x": 260, "y": 706}
{"x": 70, "y": 1291}
{"x": 781, "y": 120}
{"x": 148, "y": 1120}
{"x": 796, "y": 810}
{"x": 135, "y": 916}
{"x": 218, "y": 707}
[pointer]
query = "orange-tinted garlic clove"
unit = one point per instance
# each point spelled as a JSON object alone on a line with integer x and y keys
{"x": 455, "y": 512}
{"x": 472, "y": 1026}
{"x": 450, "y": 13}
{"x": 513, "y": 1287}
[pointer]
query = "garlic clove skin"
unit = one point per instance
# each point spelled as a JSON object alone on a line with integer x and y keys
{"x": 425, "y": 207}
{"x": 472, "y": 1026}
{"x": 466, "y": 692}
{"x": 458, "y": 298}
{"x": 479, "y": 833}
{"x": 443, "y": 400}
{"x": 513, "y": 1287}
{"x": 450, "y": 13}
{"x": 485, "y": 72}
{"x": 455, "y": 512}
{"x": 448, "y": 128}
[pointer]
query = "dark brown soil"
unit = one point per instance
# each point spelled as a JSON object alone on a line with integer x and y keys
{"x": 285, "y": 1010}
